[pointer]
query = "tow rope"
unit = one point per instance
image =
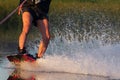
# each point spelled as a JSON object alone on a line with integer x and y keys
{"x": 8, "y": 16}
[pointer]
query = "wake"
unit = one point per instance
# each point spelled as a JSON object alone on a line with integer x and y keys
{"x": 97, "y": 62}
{"x": 77, "y": 57}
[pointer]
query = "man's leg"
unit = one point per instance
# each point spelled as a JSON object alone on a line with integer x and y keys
{"x": 43, "y": 26}
{"x": 27, "y": 19}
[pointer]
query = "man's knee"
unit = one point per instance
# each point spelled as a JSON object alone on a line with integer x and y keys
{"x": 24, "y": 32}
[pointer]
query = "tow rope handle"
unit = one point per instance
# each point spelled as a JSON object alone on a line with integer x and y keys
{"x": 8, "y": 16}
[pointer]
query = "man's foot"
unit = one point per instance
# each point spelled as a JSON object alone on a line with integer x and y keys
{"x": 38, "y": 57}
{"x": 22, "y": 51}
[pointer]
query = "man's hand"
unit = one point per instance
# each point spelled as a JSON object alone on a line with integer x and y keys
{"x": 19, "y": 10}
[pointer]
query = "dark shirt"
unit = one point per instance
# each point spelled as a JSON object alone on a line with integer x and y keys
{"x": 43, "y": 4}
{"x": 38, "y": 8}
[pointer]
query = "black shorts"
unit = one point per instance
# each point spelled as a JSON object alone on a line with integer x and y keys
{"x": 38, "y": 11}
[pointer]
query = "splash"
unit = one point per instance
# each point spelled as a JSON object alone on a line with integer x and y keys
{"x": 77, "y": 57}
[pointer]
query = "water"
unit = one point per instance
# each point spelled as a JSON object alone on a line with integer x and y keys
{"x": 84, "y": 46}
{"x": 73, "y": 60}
{"x": 69, "y": 60}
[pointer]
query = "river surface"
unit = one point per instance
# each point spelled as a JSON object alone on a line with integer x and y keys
{"x": 67, "y": 60}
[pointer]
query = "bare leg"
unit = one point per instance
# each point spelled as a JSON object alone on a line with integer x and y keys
{"x": 43, "y": 26}
{"x": 27, "y": 19}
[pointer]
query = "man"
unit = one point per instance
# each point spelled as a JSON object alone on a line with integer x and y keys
{"x": 35, "y": 11}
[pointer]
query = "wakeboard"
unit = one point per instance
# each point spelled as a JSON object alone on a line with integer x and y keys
{"x": 18, "y": 58}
